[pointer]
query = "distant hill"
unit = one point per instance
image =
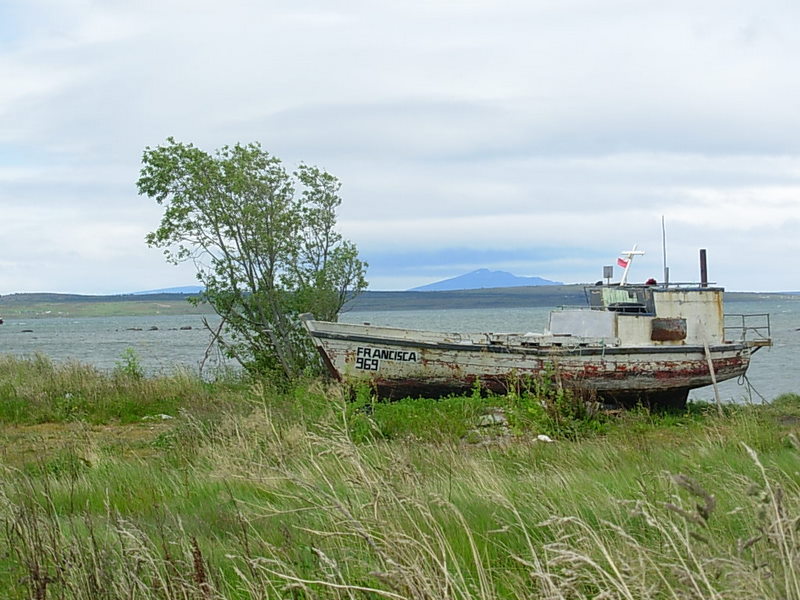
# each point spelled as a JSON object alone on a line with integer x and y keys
{"x": 481, "y": 279}
{"x": 75, "y": 305}
{"x": 513, "y": 297}
{"x": 37, "y": 305}
{"x": 186, "y": 289}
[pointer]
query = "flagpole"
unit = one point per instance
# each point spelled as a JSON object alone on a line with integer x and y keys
{"x": 629, "y": 254}
{"x": 624, "y": 279}
{"x": 664, "y": 250}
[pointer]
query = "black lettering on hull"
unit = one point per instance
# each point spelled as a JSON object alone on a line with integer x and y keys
{"x": 369, "y": 359}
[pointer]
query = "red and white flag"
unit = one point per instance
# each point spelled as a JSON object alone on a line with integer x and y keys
{"x": 622, "y": 262}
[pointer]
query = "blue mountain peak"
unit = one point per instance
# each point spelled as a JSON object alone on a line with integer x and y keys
{"x": 483, "y": 278}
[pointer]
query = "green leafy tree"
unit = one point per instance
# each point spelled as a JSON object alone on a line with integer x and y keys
{"x": 264, "y": 243}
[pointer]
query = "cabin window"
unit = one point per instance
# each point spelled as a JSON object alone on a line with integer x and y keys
{"x": 627, "y": 300}
{"x": 628, "y": 308}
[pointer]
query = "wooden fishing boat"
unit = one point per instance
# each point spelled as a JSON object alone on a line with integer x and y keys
{"x": 631, "y": 343}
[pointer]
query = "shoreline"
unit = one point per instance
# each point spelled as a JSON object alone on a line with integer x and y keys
{"x": 41, "y": 305}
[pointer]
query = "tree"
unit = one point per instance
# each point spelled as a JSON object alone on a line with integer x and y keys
{"x": 264, "y": 243}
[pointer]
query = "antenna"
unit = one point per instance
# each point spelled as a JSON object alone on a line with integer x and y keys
{"x": 664, "y": 251}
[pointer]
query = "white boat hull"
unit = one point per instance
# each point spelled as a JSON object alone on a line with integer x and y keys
{"x": 401, "y": 363}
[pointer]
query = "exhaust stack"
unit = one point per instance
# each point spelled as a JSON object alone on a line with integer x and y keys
{"x": 703, "y": 269}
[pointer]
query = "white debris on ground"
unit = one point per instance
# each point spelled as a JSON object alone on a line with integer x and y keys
{"x": 496, "y": 417}
{"x": 160, "y": 417}
{"x": 493, "y": 428}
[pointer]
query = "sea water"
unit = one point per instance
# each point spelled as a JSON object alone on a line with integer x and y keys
{"x": 163, "y": 343}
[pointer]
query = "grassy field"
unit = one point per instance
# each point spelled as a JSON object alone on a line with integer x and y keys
{"x": 119, "y": 486}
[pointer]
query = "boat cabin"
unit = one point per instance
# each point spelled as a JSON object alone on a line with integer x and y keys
{"x": 646, "y": 315}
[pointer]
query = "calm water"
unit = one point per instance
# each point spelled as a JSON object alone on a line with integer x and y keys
{"x": 159, "y": 341}
{"x": 162, "y": 344}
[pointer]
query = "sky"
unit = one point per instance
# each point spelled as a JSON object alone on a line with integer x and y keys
{"x": 537, "y": 137}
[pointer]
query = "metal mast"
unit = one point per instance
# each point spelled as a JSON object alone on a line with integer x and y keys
{"x": 626, "y": 262}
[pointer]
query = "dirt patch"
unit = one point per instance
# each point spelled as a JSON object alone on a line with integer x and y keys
{"x": 788, "y": 420}
{"x": 31, "y": 444}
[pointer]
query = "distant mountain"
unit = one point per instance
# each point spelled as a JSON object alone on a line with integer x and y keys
{"x": 186, "y": 289}
{"x": 483, "y": 278}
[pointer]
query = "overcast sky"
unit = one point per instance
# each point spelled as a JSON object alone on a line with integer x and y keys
{"x": 537, "y": 137}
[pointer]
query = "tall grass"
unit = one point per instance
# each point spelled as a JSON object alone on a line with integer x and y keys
{"x": 303, "y": 494}
{"x": 37, "y": 390}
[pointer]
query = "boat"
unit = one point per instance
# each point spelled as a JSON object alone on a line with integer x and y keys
{"x": 644, "y": 343}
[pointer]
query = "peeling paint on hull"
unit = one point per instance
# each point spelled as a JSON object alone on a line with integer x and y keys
{"x": 445, "y": 364}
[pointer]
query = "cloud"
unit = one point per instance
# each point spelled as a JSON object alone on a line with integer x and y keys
{"x": 535, "y": 136}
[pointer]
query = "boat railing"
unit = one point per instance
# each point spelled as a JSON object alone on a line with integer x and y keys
{"x": 753, "y": 327}
{"x": 572, "y": 307}
{"x": 687, "y": 284}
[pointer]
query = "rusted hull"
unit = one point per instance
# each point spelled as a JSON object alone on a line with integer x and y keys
{"x": 402, "y": 363}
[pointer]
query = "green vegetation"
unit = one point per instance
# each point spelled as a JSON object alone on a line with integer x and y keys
{"x": 35, "y": 390}
{"x": 119, "y": 486}
{"x": 264, "y": 243}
